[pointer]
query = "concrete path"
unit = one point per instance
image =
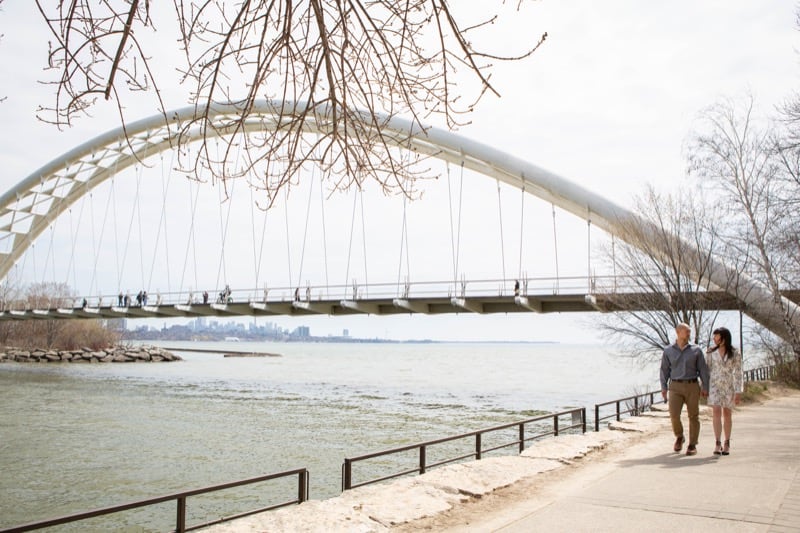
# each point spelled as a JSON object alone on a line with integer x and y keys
{"x": 648, "y": 487}
{"x": 624, "y": 480}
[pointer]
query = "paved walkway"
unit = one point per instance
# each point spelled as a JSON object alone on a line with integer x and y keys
{"x": 648, "y": 487}
{"x": 626, "y": 480}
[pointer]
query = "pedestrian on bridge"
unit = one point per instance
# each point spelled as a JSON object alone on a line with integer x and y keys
{"x": 727, "y": 384}
{"x": 681, "y": 364}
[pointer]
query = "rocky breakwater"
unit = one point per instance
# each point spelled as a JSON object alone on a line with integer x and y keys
{"x": 115, "y": 354}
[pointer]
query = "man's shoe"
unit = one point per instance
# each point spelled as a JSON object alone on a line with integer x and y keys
{"x": 679, "y": 443}
{"x": 691, "y": 449}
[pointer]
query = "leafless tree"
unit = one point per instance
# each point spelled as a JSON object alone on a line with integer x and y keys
{"x": 664, "y": 259}
{"x": 44, "y": 295}
{"x": 59, "y": 334}
{"x": 352, "y": 62}
{"x": 743, "y": 165}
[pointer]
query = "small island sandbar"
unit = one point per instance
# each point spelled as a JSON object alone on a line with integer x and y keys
{"x": 225, "y": 353}
{"x": 251, "y": 354}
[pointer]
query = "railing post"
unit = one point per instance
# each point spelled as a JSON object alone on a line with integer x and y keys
{"x": 347, "y": 475}
{"x": 583, "y": 416}
{"x": 555, "y": 425}
{"x": 478, "y": 445}
{"x": 302, "y": 485}
{"x": 617, "y": 404}
{"x": 636, "y": 405}
{"x": 422, "y": 459}
{"x": 180, "y": 524}
{"x": 596, "y": 417}
{"x": 521, "y": 438}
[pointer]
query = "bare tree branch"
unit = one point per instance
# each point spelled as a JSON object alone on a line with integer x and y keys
{"x": 667, "y": 280}
{"x": 382, "y": 57}
{"x": 752, "y": 174}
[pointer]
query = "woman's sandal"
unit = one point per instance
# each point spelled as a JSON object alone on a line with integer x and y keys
{"x": 718, "y": 448}
{"x": 726, "y": 450}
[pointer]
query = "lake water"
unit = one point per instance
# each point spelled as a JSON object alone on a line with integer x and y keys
{"x": 79, "y": 437}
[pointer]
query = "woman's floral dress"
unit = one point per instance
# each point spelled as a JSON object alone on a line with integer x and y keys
{"x": 726, "y": 378}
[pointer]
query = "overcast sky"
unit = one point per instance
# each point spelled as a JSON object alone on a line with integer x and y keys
{"x": 607, "y": 102}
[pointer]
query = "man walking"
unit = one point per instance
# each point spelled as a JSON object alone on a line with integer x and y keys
{"x": 681, "y": 364}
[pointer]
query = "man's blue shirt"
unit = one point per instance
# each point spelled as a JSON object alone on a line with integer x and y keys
{"x": 688, "y": 363}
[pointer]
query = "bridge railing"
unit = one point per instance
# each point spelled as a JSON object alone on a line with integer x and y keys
{"x": 547, "y": 425}
{"x": 180, "y": 499}
{"x": 490, "y": 287}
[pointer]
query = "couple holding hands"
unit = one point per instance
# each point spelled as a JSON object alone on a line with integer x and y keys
{"x": 719, "y": 370}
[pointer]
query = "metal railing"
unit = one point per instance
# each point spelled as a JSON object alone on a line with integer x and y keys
{"x": 760, "y": 374}
{"x": 180, "y": 499}
{"x": 631, "y": 405}
{"x": 479, "y": 449}
{"x": 637, "y": 404}
{"x": 356, "y": 291}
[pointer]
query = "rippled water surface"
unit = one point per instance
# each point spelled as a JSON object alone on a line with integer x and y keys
{"x": 79, "y": 437}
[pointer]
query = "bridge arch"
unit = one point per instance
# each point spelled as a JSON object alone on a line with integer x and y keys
{"x": 29, "y": 207}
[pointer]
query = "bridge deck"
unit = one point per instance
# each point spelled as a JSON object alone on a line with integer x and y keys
{"x": 552, "y": 303}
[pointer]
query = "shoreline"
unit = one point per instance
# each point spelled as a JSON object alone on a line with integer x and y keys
{"x": 454, "y": 496}
{"x": 611, "y": 480}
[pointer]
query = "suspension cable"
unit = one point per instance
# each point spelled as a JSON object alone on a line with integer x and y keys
{"x": 32, "y": 249}
{"x": 452, "y": 230}
{"x": 324, "y": 232}
{"x": 161, "y": 221}
{"x": 222, "y": 271}
{"x": 253, "y": 234}
{"x": 50, "y": 257}
{"x": 261, "y": 246}
{"x": 102, "y": 233}
{"x": 51, "y": 254}
{"x": 364, "y": 244}
{"x": 455, "y": 235}
{"x": 404, "y": 229}
{"x": 193, "y": 201}
{"x": 116, "y": 231}
{"x": 71, "y": 265}
{"x": 460, "y": 205}
{"x": 403, "y": 234}
{"x": 141, "y": 237}
{"x": 72, "y": 252}
{"x": 305, "y": 231}
{"x": 502, "y": 244}
{"x": 288, "y": 244}
{"x": 521, "y": 228}
{"x": 555, "y": 244}
{"x": 94, "y": 244}
{"x": 136, "y": 201}
{"x": 589, "y": 252}
{"x": 350, "y": 244}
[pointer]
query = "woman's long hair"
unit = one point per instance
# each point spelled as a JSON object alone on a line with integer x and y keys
{"x": 726, "y": 338}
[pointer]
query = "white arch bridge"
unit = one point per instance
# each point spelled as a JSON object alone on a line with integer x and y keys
{"x": 35, "y": 204}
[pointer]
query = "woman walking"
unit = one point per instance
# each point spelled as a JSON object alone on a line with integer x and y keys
{"x": 727, "y": 382}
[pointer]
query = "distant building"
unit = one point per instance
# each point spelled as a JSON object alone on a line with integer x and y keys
{"x": 345, "y": 333}
{"x": 302, "y": 332}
